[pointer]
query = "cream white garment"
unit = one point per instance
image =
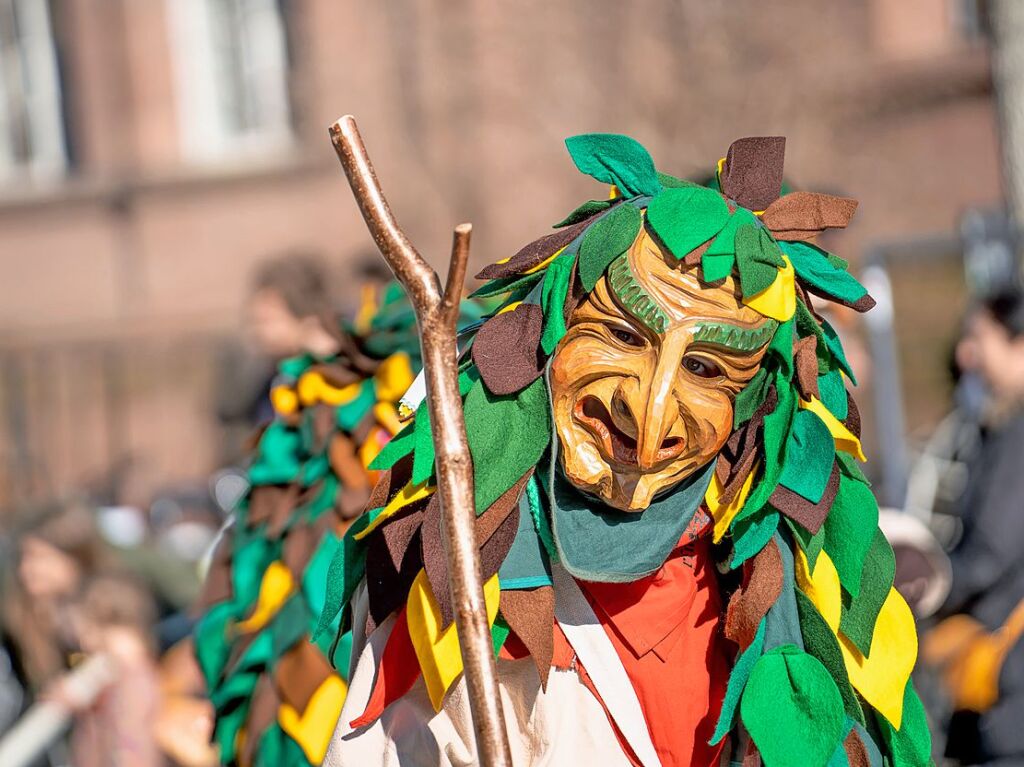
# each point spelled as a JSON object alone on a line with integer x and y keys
{"x": 565, "y": 725}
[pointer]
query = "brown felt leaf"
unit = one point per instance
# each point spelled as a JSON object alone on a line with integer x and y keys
{"x": 392, "y": 562}
{"x": 806, "y": 357}
{"x": 336, "y": 374}
{"x": 300, "y": 672}
{"x": 495, "y": 530}
{"x": 752, "y": 601}
{"x": 752, "y": 173}
{"x": 535, "y": 253}
{"x": 803, "y": 215}
{"x": 302, "y": 542}
{"x": 390, "y": 482}
{"x": 282, "y": 515}
{"x": 808, "y": 515}
{"x": 262, "y": 714}
{"x": 268, "y": 502}
{"x": 693, "y": 258}
{"x": 856, "y": 752}
{"x": 530, "y": 613}
{"x": 322, "y": 425}
{"x": 507, "y": 349}
{"x": 852, "y": 421}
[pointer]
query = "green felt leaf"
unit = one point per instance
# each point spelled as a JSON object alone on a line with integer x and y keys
{"x": 400, "y": 446}
{"x": 737, "y": 681}
{"x": 277, "y": 456}
{"x": 781, "y": 348}
{"x": 493, "y": 423}
{"x": 553, "y": 295}
{"x": 792, "y": 709}
{"x": 911, "y": 745}
{"x": 499, "y": 633}
{"x": 820, "y": 642}
{"x": 782, "y": 625}
{"x": 758, "y": 258}
{"x": 806, "y": 325}
{"x": 423, "y": 452}
{"x": 751, "y": 534}
{"x": 617, "y": 160}
{"x": 861, "y": 612}
{"x": 750, "y": 398}
{"x": 849, "y": 531}
{"x": 810, "y": 543}
{"x": 606, "y": 240}
{"x": 346, "y": 570}
{"x": 832, "y": 391}
{"x": 849, "y": 466}
{"x": 720, "y": 257}
{"x": 836, "y": 347}
{"x": 813, "y": 267}
{"x": 810, "y": 453}
{"x": 585, "y": 211}
{"x": 671, "y": 182}
{"x": 685, "y": 217}
{"x": 775, "y": 437}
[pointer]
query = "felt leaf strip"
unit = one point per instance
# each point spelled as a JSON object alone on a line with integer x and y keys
{"x": 910, "y": 743}
{"x": 685, "y": 217}
{"x": 810, "y": 456}
{"x": 724, "y": 514}
{"x": 860, "y": 614}
{"x": 752, "y": 172}
{"x": 821, "y": 642}
{"x": 850, "y": 530}
{"x": 587, "y": 210}
{"x": 553, "y": 296}
{"x": 758, "y": 258}
{"x": 605, "y": 241}
{"x": 530, "y": 613}
{"x": 525, "y": 422}
{"x": 520, "y": 285}
{"x": 407, "y": 496}
{"x": 749, "y": 604}
{"x": 792, "y": 709}
{"x": 845, "y": 440}
{"x": 810, "y": 516}
{"x": 821, "y": 586}
{"x": 737, "y": 681}
{"x": 803, "y": 215}
{"x": 437, "y": 648}
{"x": 313, "y": 728}
{"x": 813, "y": 267}
{"x": 507, "y": 350}
{"x": 393, "y": 559}
{"x": 778, "y": 300}
{"x": 718, "y": 260}
{"x": 397, "y": 673}
{"x": 881, "y": 676}
{"x": 533, "y": 255}
{"x": 346, "y": 569}
{"x": 617, "y": 160}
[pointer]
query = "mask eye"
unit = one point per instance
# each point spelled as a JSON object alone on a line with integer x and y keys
{"x": 700, "y": 367}
{"x": 625, "y": 335}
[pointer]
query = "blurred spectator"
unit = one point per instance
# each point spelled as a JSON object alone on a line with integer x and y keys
{"x": 980, "y": 646}
{"x": 288, "y": 297}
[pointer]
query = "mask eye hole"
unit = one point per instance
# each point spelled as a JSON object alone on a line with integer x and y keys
{"x": 701, "y": 367}
{"x": 626, "y": 336}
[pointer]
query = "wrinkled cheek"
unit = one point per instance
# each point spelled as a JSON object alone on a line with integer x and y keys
{"x": 708, "y": 420}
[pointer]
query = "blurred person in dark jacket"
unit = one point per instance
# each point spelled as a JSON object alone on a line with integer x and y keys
{"x": 980, "y": 646}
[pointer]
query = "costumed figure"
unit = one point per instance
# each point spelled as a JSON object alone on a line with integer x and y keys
{"x": 275, "y": 694}
{"x": 681, "y": 557}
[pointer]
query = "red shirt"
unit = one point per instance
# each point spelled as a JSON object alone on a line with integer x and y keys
{"x": 665, "y": 629}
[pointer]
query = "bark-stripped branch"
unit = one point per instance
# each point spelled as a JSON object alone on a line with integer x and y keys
{"x": 436, "y": 314}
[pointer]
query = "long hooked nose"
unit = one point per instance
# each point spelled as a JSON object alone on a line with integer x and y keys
{"x": 653, "y": 409}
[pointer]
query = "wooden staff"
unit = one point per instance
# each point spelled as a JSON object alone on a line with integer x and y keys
{"x": 437, "y": 314}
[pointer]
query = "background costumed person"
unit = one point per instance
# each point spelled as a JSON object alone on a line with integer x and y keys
{"x": 680, "y": 552}
{"x": 276, "y": 695}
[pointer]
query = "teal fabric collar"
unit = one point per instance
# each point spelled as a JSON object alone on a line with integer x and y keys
{"x": 598, "y": 543}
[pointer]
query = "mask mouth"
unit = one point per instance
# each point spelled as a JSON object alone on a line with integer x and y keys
{"x": 616, "y": 446}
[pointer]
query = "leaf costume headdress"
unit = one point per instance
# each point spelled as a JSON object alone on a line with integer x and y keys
{"x": 276, "y": 696}
{"x": 826, "y": 645}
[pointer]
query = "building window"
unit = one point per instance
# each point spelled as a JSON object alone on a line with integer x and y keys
{"x": 31, "y": 121}
{"x": 232, "y": 62}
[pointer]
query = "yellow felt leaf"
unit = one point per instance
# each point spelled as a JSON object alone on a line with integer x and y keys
{"x": 275, "y": 588}
{"x": 881, "y": 677}
{"x": 437, "y": 649}
{"x": 313, "y": 388}
{"x": 393, "y": 378}
{"x": 724, "y": 515}
{"x": 845, "y": 439}
{"x": 821, "y": 586}
{"x": 778, "y": 300}
{"x": 284, "y": 400}
{"x": 372, "y": 446}
{"x": 408, "y": 494}
{"x": 509, "y": 307}
{"x": 367, "y": 308}
{"x": 314, "y": 727}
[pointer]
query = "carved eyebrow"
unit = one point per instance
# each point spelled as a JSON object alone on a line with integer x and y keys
{"x": 633, "y": 297}
{"x": 735, "y": 337}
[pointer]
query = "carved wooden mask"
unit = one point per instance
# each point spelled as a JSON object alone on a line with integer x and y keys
{"x": 643, "y": 383}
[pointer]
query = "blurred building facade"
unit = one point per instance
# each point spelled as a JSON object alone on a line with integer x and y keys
{"x": 153, "y": 151}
